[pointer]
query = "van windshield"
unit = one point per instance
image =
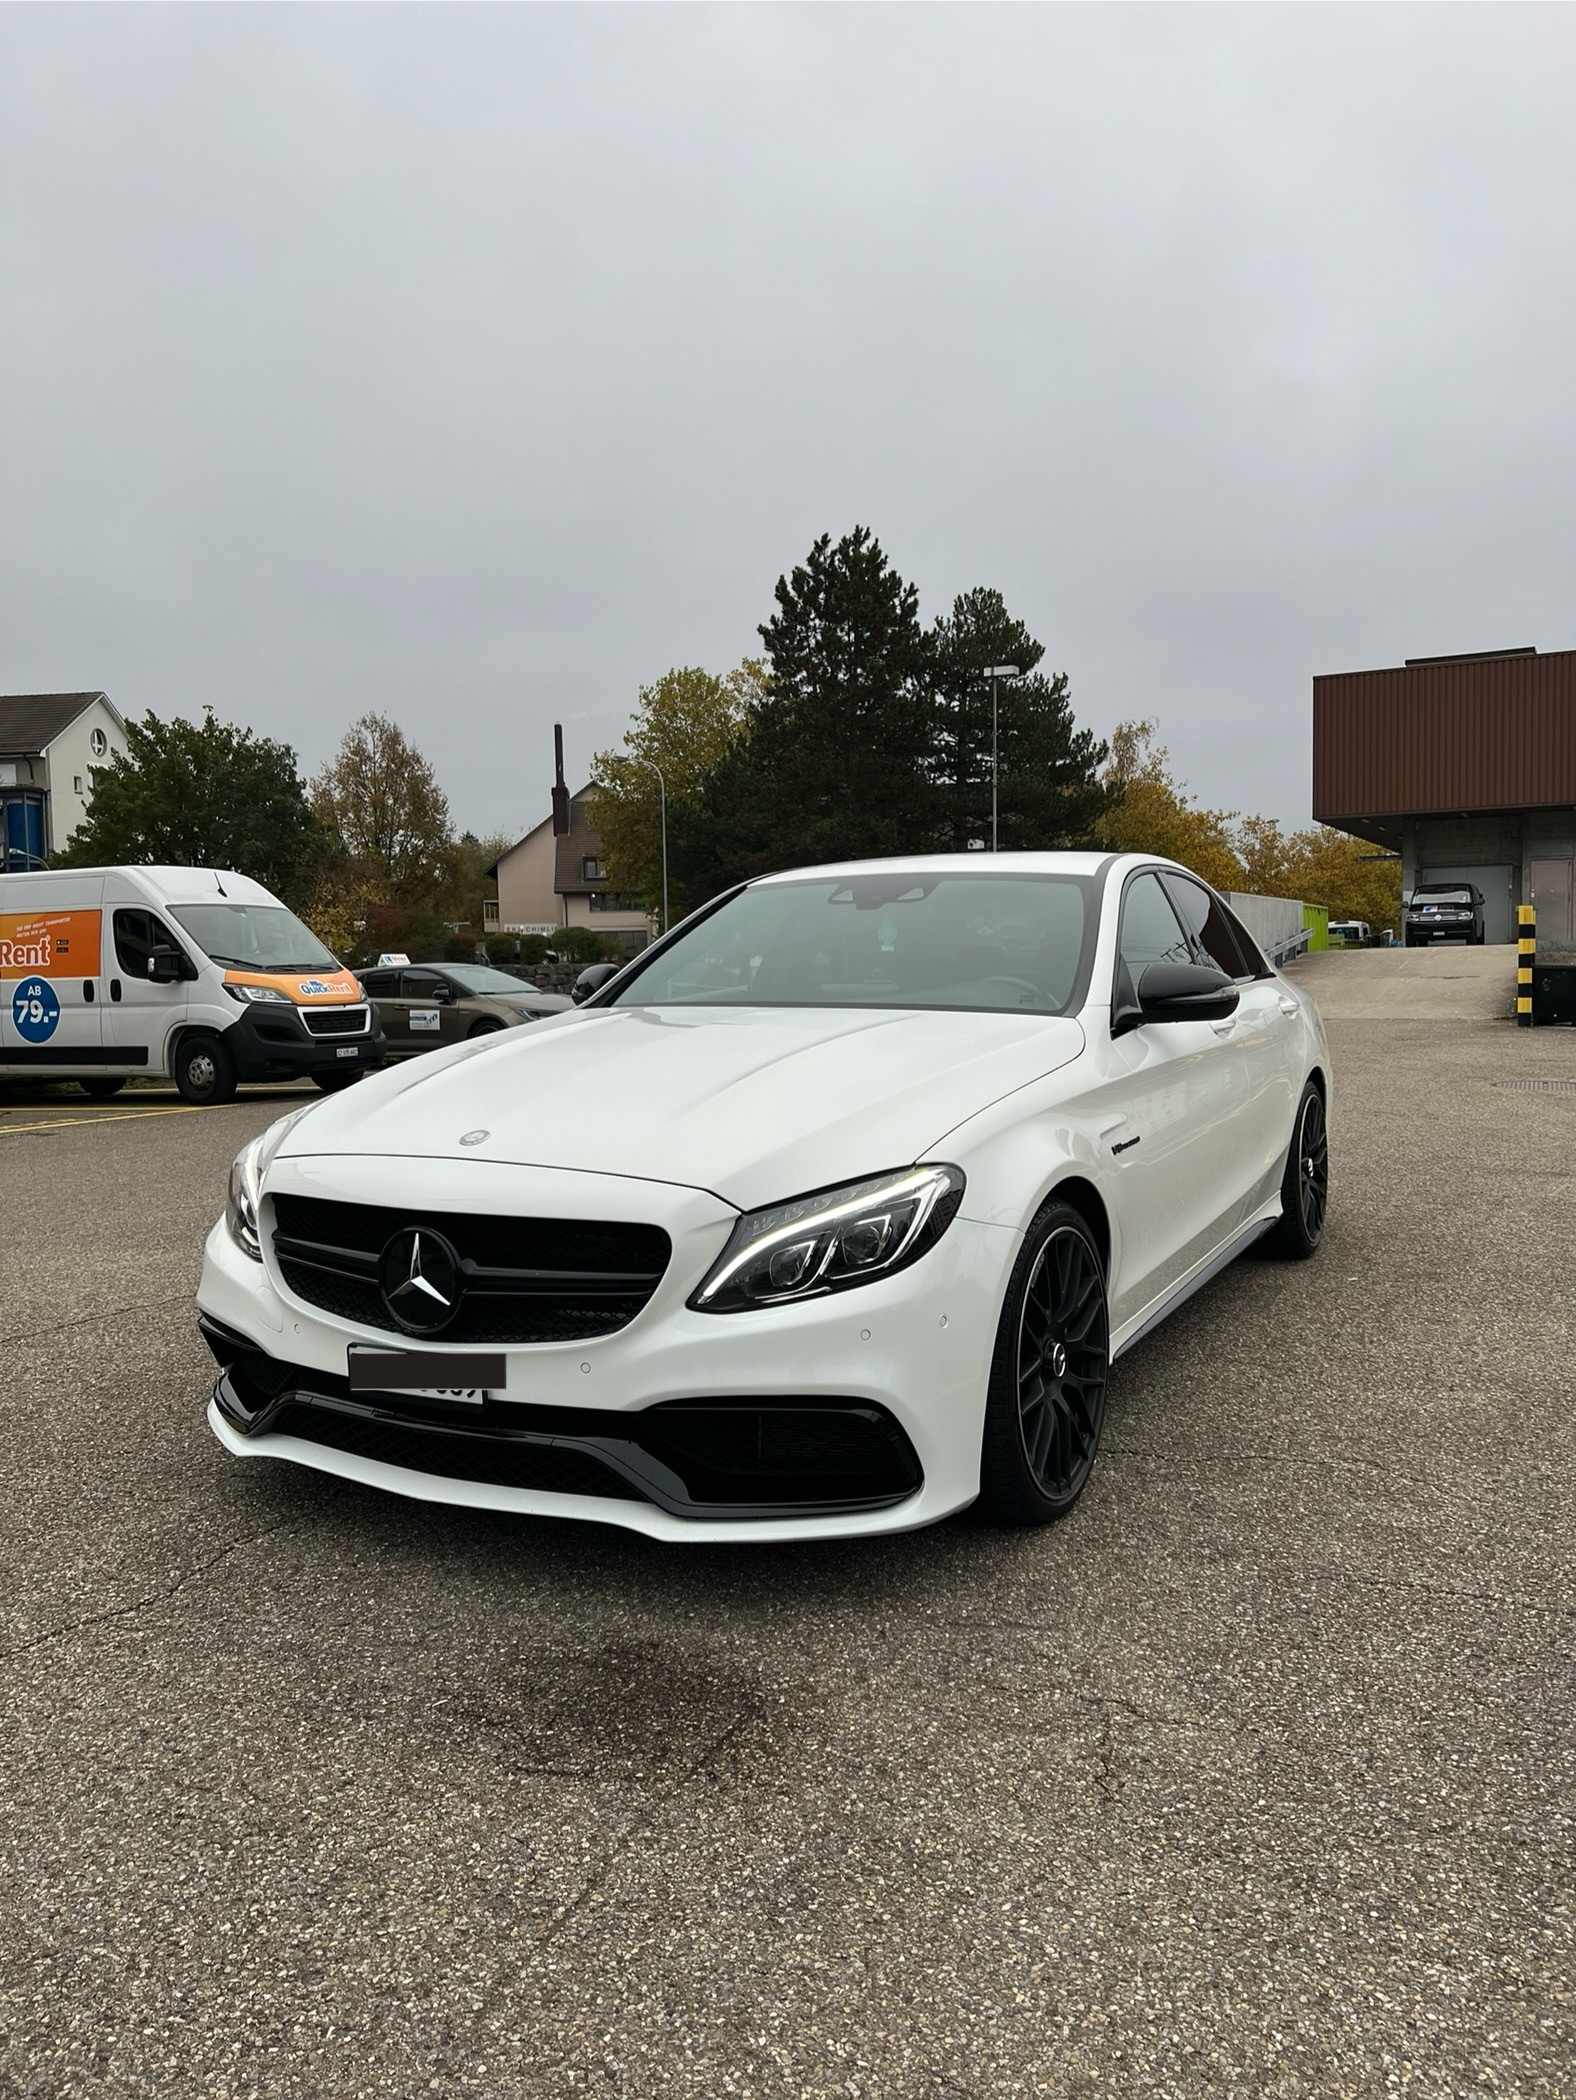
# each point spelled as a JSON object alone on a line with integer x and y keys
{"x": 254, "y": 937}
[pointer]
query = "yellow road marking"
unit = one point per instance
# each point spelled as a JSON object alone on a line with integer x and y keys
{"x": 75, "y": 1121}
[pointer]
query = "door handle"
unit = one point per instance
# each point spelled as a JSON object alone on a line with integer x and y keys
{"x": 1291, "y": 1008}
{"x": 1224, "y": 1027}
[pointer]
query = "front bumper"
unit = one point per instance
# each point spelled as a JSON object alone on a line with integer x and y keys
{"x": 655, "y": 1426}
{"x": 272, "y": 1042}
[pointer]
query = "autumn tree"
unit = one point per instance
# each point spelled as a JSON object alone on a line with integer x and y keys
{"x": 380, "y": 798}
{"x": 1348, "y": 876}
{"x": 1151, "y": 812}
{"x": 686, "y": 724}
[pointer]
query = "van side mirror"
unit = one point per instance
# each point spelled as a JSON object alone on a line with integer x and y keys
{"x": 169, "y": 966}
{"x": 1186, "y": 992}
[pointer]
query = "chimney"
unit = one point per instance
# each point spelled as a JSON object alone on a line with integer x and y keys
{"x": 560, "y": 792}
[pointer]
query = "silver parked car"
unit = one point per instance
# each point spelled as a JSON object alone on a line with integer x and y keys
{"x": 428, "y": 1006}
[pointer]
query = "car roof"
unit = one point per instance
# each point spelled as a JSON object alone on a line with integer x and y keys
{"x": 959, "y": 863}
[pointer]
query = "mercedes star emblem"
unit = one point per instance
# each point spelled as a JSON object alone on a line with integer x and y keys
{"x": 476, "y": 1137}
{"x": 420, "y": 1277}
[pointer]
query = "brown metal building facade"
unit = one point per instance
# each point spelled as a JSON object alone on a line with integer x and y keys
{"x": 1466, "y": 767}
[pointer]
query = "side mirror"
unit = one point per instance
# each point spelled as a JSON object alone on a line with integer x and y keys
{"x": 592, "y": 979}
{"x": 167, "y": 966}
{"x": 1186, "y": 992}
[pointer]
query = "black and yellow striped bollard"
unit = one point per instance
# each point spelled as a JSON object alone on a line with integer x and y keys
{"x": 1526, "y": 950}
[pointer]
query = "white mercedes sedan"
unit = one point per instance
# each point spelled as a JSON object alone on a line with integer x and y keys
{"x": 827, "y": 1215}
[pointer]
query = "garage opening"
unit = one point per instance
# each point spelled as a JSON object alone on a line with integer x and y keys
{"x": 1498, "y": 885}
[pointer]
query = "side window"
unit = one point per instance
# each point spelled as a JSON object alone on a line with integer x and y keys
{"x": 137, "y": 934}
{"x": 1206, "y": 921}
{"x": 1150, "y": 932}
{"x": 381, "y": 984}
{"x": 424, "y": 984}
{"x": 1251, "y": 954}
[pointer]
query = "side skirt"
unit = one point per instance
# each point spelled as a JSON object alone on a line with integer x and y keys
{"x": 1207, "y": 1270}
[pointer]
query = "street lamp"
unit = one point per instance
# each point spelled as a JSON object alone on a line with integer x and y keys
{"x": 994, "y": 672}
{"x": 662, "y": 805}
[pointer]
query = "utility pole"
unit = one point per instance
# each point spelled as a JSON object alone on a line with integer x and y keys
{"x": 994, "y": 672}
{"x": 662, "y": 805}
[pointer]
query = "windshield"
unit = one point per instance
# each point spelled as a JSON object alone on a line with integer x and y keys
{"x": 480, "y": 980}
{"x": 995, "y": 943}
{"x": 1442, "y": 895}
{"x": 254, "y": 937}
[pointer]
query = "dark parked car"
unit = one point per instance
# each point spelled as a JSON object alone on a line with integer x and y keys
{"x": 424, "y": 1007}
{"x": 1443, "y": 911}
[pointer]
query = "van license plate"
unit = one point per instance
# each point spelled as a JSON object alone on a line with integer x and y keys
{"x": 427, "y": 1374}
{"x": 349, "y": 1050}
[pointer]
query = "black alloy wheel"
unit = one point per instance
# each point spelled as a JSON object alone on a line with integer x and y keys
{"x": 487, "y": 1025}
{"x": 1047, "y": 1392}
{"x": 1305, "y": 1185}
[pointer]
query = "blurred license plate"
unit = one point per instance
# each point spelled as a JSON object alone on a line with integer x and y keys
{"x": 348, "y": 1051}
{"x": 427, "y": 1374}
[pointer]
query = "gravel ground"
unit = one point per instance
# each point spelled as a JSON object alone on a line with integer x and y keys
{"x": 1255, "y": 1777}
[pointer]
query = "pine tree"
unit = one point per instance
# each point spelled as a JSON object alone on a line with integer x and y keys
{"x": 842, "y": 737}
{"x": 1048, "y": 788}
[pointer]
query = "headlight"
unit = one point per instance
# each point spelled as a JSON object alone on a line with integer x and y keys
{"x": 257, "y": 994}
{"x": 246, "y": 1182}
{"x": 831, "y": 1241}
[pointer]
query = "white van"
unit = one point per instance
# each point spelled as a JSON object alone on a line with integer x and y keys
{"x": 198, "y": 974}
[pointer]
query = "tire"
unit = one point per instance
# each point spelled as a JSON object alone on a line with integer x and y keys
{"x": 334, "y": 1082}
{"x": 1305, "y": 1185}
{"x": 204, "y": 1071}
{"x": 485, "y": 1026}
{"x": 100, "y": 1089}
{"x": 1042, "y": 1425}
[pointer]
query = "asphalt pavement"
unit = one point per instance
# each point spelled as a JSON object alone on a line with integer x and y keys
{"x": 1254, "y": 1777}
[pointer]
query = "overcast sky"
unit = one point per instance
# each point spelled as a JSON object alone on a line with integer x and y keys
{"x": 478, "y": 365}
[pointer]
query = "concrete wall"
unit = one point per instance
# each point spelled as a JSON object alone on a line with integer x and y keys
{"x": 1276, "y": 923}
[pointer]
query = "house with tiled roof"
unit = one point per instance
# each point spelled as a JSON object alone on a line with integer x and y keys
{"x": 49, "y": 745}
{"x": 555, "y": 877}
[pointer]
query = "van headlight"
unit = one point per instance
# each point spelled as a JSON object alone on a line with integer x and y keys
{"x": 257, "y": 995}
{"x": 831, "y": 1241}
{"x": 244, "y": 1200}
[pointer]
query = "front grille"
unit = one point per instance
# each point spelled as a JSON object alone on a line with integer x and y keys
{"x": 337, "y": 1020}
{"x": 526, "y": 1279}
{"x": 499, "y": 1461}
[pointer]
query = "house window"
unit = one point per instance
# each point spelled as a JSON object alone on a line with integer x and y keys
{"x": 76, "y": 784}
{"x": 21, "y": 833}
{"x": 98, "y": 743}
{"x": 591, "y": 869}
{"x": 610, "y": 900}
{"x": 489, "y": 911}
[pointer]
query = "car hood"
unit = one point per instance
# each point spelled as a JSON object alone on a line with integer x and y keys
{"x": 754, "y": 1104}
